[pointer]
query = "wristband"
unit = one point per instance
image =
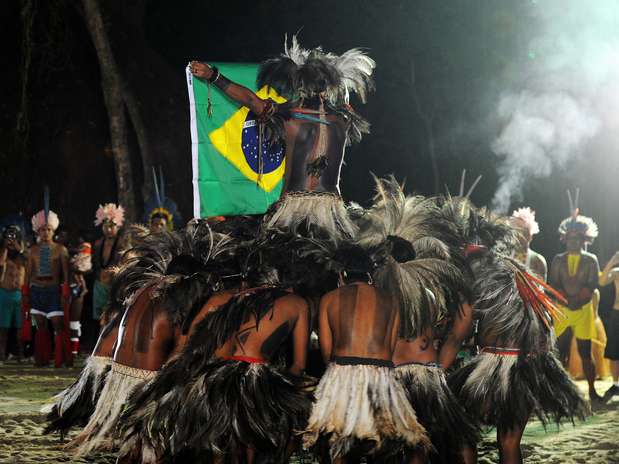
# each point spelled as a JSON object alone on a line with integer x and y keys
{"x": 214, "y": 75}
{"x": 219, "y": 80}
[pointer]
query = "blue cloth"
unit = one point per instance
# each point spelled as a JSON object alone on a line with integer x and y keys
{"x": 45, "y": 301}
{"x": 10, "y": 308}
{"x": 100, "y": 297}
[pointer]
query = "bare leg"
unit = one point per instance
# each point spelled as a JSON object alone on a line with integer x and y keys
{"x": 588, "y": 366}
{"x": 614, "y": 388}
{"x": 418, "y": 457}
{"x": 250, "y": 453}
{"x": 563, "y": 344}
{"x": 469, "y": 454}
{"x": 3, "y": 340}
{"x": 42, "y": 341}
{"x": 614, "y": 370}
{"x": 509, "y": 444}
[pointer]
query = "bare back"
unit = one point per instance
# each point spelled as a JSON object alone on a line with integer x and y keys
{"x": 288, "y": 317}
{"x": 314, "y": 154}
{"x": 214, "y": 302}
{"x": 421, "y": 349}
{"x": 358, "y": 320}
{"x": 147, "y": 335}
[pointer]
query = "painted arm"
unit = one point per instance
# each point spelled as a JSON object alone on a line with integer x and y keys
{"x": 541, "y": 268}
{"x": 29, "y": 267}
{"x": 3, "y": 257}
{"x": 64, "y": 263}
{"x": 325, "y": 336}
{"x": 460, "y": 331}
{"x": 300, "y": 338}
{"x": 554, "y": 280}
{"x": 240, "y": 94}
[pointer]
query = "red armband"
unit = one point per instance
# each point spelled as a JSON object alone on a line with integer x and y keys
{"x": 66, "y": 291}
{"x": 472, "y": 249}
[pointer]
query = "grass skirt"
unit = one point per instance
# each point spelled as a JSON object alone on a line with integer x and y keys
{"x": 438, "y": 410}
{"x": 305, "y": 212}
{"x": 236, "y": 404}
{"x": 504, "y": 390}
{"x": 75, "y": 404}
{"x": 100, "y": 432}
{"x": 361, "y": 407}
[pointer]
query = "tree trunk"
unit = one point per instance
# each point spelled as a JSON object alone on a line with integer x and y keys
{"x": 135, "y": 114}
{"x": 112, "y": 86}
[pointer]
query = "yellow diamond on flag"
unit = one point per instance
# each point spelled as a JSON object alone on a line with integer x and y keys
{"x": 237, "y": 141}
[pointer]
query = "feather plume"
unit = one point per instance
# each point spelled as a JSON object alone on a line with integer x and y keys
{"x": 110, "y": 212}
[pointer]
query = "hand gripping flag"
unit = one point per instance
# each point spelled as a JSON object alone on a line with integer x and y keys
{"x": 224, "y": 149}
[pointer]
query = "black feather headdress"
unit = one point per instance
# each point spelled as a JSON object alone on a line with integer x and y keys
{"x": 419, "y": 266}
{"x": 301, "y": 73}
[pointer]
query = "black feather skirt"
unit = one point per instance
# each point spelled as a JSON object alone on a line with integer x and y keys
{"x": 75, "y": 404}
{"x": 448, "y": 424}
{"x": 229, "y": 406}
{"x": 504, "y": 390}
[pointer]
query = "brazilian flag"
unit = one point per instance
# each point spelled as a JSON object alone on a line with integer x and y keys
{"x": 225, "y": 151}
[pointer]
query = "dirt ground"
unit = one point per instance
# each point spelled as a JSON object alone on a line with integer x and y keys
{"x": 24, "y": 389}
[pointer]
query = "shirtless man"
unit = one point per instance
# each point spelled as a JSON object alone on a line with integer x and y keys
{"x": 523, "y": 220}
{"x": 358, "y": 331}
{"x": 420, "y": 364}
{"x": 609, "y": 274}
{"x": 516, "y": 374}
{"x": 228, "y": 380}
{"x": 12, "y": 277}
{"x": 47, "y": 278}
{"x": 317, "y": 124}
{"x": 147, "y": 336}
{"x": 575, "y": 274}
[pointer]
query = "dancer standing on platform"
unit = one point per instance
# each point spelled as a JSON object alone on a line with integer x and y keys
{"x": 316, "y": 124}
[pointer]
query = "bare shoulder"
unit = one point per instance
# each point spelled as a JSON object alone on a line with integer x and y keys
{"x": 558, "y": 259}
{"x": 62, "y": 250}
{"x": 590, "y": 257}
{"x": 330, "y": 296}
{"x": 293, "y": 301}
{"x": 538, "y": 257}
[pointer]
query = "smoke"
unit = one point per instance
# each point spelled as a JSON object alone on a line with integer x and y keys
{"x": 562, "y": 98}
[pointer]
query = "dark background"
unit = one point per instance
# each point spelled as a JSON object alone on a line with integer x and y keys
{"x": 465, "y": 53}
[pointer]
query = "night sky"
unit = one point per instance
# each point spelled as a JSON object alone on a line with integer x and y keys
{"x": 466, "y": 55}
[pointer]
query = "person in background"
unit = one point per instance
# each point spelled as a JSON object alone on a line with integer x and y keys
{"x": 81, "y": 263}
{"x": 107, "y": 252}
{"x": 47, "y": 290}
{"x": 12, "y": 275}
{"x": 574, "y": 274}
{"x": 523, "y": 219}
{"x": 609, "y": 274}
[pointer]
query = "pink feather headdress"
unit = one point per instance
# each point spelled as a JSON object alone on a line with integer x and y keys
{"x": 527, "y": 216}
{"x": 39, "y": 220}
{"x": 110, "y": 212}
